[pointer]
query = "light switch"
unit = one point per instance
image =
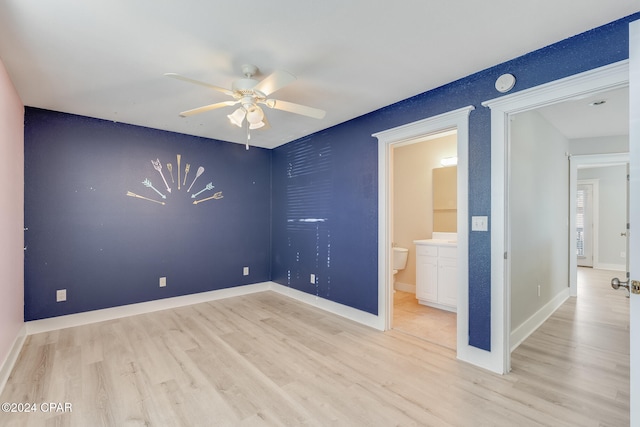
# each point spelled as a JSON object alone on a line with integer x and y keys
{"x": 479, "y": 223}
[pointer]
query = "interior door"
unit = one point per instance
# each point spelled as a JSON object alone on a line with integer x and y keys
{"x": 634, "y": 209}
{"x": 626, "y": 230}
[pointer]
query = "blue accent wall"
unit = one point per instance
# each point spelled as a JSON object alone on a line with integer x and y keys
{"x": 325, "y": 197}
{"x": 350, "y": 174}
{"x": 107, "y": 249}
{"x": 307, "y": 207}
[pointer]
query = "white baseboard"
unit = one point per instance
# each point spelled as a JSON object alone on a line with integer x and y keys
{"x": 404, "y": 287}
{"x": 350, "y": 313}
{"x": 7, "y": 366}
{"x": 78, "y": 319}
{"x": 523, "y": 331}
{"x": 614, "y": 267}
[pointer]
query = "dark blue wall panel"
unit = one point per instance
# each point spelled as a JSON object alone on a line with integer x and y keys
{"x": 351, "y": 206}
{"x": 108, "y": 249}
{"x": 326, "y": 210}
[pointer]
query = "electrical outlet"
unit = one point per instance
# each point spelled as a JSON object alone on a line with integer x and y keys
{"x": 61, "y": 295}
{"x": 163, "y": 282}
{"x": 312, "y": 278}
{"x": 245, "y": 271}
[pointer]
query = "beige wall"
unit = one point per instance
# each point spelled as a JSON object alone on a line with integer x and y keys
{"x": 12, "y": 218}
{"x": 412, "y": 195}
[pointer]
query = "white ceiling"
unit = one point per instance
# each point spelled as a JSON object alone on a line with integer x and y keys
{"x": 106, "y": 59}
{"x": 596, "y": 115}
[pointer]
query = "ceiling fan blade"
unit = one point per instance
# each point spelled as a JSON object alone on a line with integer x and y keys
{"x": 295, "y": 108}
{"x": 207, "y": 108}
{"x": 274, "y": 81}
{"x": 187, "y": 79}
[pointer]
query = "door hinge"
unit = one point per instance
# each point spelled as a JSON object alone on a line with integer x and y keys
{"x": 505, "y": 255}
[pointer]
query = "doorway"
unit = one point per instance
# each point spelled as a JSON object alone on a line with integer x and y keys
{"x": 423, "y": 198}
{"x": 546, "y": 248}
{"x": 585, "y": 223}
{"x": 614, "y": 76}
{"x": 605, "y": 187}
{"x": 608, "y": 175}
{"x": 458, "y": 120}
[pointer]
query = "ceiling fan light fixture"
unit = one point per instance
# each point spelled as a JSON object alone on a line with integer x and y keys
{"x": 256, "y": 125}
{"x": 248, "y": 93}
{"x": 255, "y": 115}
{"x": 237, "y": 117}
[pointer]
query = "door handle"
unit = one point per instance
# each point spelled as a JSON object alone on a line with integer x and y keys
{"x": 633, "y": 287}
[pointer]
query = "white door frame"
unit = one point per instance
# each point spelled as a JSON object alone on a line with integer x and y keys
{"x": 459, "y": 120}
{"x": 606, "y": 78}
{"x": 633, "y": 253}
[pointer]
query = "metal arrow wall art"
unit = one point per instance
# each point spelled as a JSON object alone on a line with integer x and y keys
{"x": 181, "y": 179}
{"x": 158, "y": 166}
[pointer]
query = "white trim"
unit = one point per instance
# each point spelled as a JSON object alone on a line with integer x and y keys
{"x": 79, "y": 319}
{"x": 529, "y": 326}
{"x": 429, "y": 137}
{"x": 601, "y": 79}
{"x": 609, "y": 77}
{"x": 459, "y": 120}
{"x": 342, "y": 310}
{"x": 12, "y": 357}
{"x": 633, "y": 254}
{"x": 612, "y": 267}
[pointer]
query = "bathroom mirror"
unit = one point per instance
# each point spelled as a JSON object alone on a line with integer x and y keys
{"x": 445, "y": 196}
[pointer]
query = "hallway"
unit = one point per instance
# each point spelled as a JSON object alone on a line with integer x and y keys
{"x": 581, "y": 353}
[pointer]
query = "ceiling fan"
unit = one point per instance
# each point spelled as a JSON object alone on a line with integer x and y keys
{"x": 250, "y": 93}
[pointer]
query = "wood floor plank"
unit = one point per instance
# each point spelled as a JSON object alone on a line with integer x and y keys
{"x": 265, "y": 359}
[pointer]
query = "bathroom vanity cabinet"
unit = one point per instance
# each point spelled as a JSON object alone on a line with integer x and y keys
{"x": 437, "y": 273}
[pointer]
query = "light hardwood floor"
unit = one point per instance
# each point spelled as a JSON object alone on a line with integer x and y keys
{"x": 264, "y": 359}
{"x": 421, "y": 321}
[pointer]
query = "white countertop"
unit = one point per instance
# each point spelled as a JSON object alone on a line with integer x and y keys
{"x": 440, "y": 239}
{"x": 436, "y": 242}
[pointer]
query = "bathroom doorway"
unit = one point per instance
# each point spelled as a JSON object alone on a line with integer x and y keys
{"x": 410, "y": 132}
{"x": 424, "y": 192}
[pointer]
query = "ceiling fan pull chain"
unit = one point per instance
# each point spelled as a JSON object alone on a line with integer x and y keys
{"x": 248, "y": 136}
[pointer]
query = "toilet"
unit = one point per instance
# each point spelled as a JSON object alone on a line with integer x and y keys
{"x": 400, "y": 256}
